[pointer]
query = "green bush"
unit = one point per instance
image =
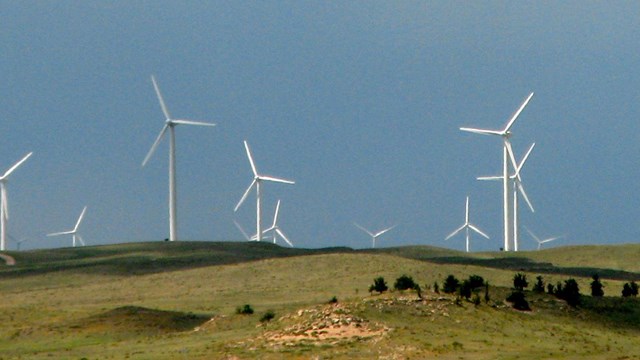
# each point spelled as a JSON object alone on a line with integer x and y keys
{"x": 436, "y": 288}
{"x": 570, "y": 292}
{"x": 550, "y": 289}
{"x": 518, "y": 300}
{"x": 596, "y": 286}
{"x": 404, "y": 282}
{"x": 333, "y": 300}
{"x": 267, "y": 316}
{"x": 630, "y": 289}
{"x": 476, "y": 282}
{"x": 379, "y": 285}
{"x": 244, "y": 310}
{"x": 520, "y": 282}
{"x": 539, "y": 285}
{"x": 465, "y": 290}
{"x": 450, "y": 284}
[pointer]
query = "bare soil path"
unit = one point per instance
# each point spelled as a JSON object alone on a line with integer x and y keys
{"x": 9, "y": 260}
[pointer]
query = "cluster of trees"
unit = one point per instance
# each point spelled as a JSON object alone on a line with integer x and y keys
{"x": 468, "y": 289}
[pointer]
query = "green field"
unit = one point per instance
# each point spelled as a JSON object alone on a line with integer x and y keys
{"x": 178, "y": 301}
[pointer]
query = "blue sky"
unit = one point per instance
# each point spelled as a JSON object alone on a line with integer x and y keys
{"x": 359, "y": 102}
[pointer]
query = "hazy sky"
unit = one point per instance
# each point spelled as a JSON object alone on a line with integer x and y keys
{"x": 359, "y": 102}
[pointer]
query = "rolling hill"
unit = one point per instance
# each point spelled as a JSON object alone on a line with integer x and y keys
{"x": 178, "y": 300}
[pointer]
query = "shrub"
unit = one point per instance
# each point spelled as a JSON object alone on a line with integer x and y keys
{"x": 539, "y": 286}
{"x": 404, "y": 282}
{"x": 486, "y": 292}
{"x": 450, "y": 284}
{"x": 570, "y": 293}
{"x": 436, "y": 288}
{"x": 550, "y": 289}
{"x": 520, "y": 282}
{"x": 333, "y": 300}
{"x": 418, "y": 290}
{"x": 518, "y": 300}
{"x": 379, "y": 285}
{"x": 465, "y": 290}
{"x": 596, "y": 286}
{"x": 630, "y": 289}
{"x": 244, "y": 310}
{"x": 476, "y": 282}
{"x": 267, "y": 316}
{"x": 476, "y": 300}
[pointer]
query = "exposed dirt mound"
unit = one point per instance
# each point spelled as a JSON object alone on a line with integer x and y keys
{"x": 139, "y": 319}
{"x": 326, "y": 324}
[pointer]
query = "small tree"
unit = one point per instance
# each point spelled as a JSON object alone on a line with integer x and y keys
{"x": 520, "y": 282}
{"x": 404, "y": 282}
{"x": 519, "y": 301}
{"x": 379, "y": 285}
{"x": 550, "y": 289}
{"x": 244, "y": 310}
{"x": 539, "y": 285}
{"x": 486, "y": 292}
{"x": 476, "y": 282}
{"x": 450, "y": 284}
{"x": 436, "y": 288}
{"x": 267, "y": 316}
{"x": 570, "y": 293}
{"x": 596, "y": 286}
{"x": 630, "y": 289}
{"x": 558, "y": 290}
{"x": 465, "y": 290}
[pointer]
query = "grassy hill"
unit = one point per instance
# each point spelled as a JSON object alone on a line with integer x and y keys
{"x": 146, "y": 301}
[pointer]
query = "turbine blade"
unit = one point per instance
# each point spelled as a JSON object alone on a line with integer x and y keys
{"x": 80, "y": 239}
{"x": 275, "y": 216}
{"x": 12, "y": 169}
{"x": 455, "y": 232}
{"x": 246, "y": 193}
{"x": 244, "y": 233}
{"x": 155, "y": 144}
{"x": 363, "y": 229}
{"x": 80, "y": 219}
{"x": 191, "y": 122}
{"x": 524, "y": 195}
{"x": 267, "y": 230}
{"x": 537, "y": 239}
{"x": 474, "y": 228}
{"x": 160, "y": 99}
{"x": 384, "y": 231}
{"x": 550, "y": 239}
{"x": 70, "y": 232}
{"x": 489, "y": 178}
{"x": 514, "y": 163}
{"x": 275, "y": 179}
{"x": 481, "y": 131}
{"x": 516, "y": 114}
{"x": 526, "y": 156}
{"x": 253, "y": 165}
{"x": 282, "y": 235}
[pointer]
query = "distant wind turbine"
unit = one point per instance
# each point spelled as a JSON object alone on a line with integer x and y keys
{"x": 74, "y": 232}
{"x": 4, "y": 206}
{"x": 505, "y": 134}
{"x": 516, "y": 188}
{"x": 374, "y": 236}
{"x": 244, "y": 233}
{"x": 540, "y": 242}
{"x": 466, "y": 226}
{"x": 17, "y": 241}
{"x": 170, "y": 125}
{"x": 257, "y": 181}
{"x": 276, "y": 229}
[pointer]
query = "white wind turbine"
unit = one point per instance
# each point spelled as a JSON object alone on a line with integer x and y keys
{"x": 4, "y": 206}
{"x": 517, "y": 187}
{"x": 276, "y": 229}
{"x": 244, "y": 233}
{"x": 374, "y": 236}
{"x": 540, "y": 242}
{"x": 257, "y": 181}
{"x": 505, "y": 134}
{"x": 170, "y": 125}
{"x": 74, "y": 232}
{"x": 466, "y": 226}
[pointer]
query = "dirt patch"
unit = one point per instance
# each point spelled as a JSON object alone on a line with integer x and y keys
{"x": 9, "y": 260}
{"x": 326, "y": 324}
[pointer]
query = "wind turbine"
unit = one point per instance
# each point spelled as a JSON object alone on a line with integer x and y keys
{"x": 4, "y": 206}
{"x": 516, "y": 188}
{"x": 537, "y": 239}
{"x": 17, "y": 241}
{"x": 244, "y": 233}
{"x": 374, "y": 236}
{"x": 257, "y": 180}
{"x": 466, "y": 226}
{"x": 276, "y": 229}
{"x": 73, "y": 232}
{"x": 170, "y": 125}
{"x": 505, "y": 134}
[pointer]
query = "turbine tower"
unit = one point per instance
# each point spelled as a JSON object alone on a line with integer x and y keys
{"x": 4, "y": 206}
{"x": 540, "y": 242}
{"x": 257, "y": 182}
{"x": 517, "y": 187}
{"x": 170, "y": 125}
{"x": 505, "y": 134}
{"x": 374, "y": 236}
{"x": 466, "y": 226}
{"x": 74, "y": 232}
{"x": 276, "y": 229}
